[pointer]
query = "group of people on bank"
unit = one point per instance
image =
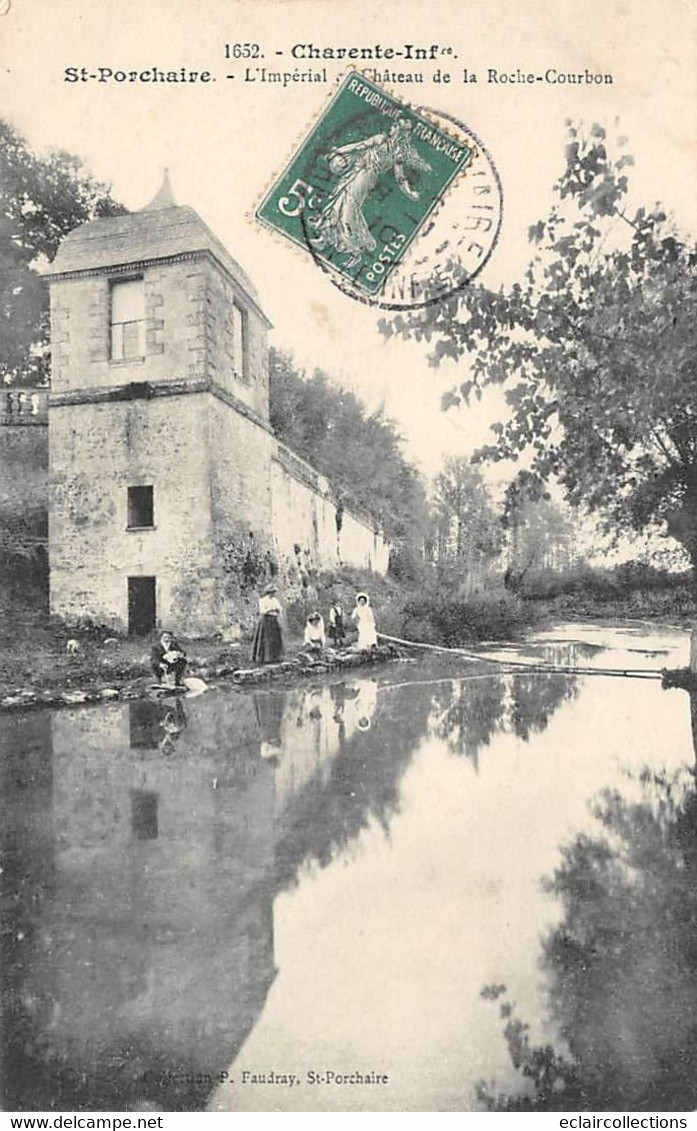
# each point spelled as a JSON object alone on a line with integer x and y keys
{"x": 168, "y": 658}
{"x": 267, "y": 646}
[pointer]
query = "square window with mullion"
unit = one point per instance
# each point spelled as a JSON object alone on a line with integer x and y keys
{"x": 128, "y": 320}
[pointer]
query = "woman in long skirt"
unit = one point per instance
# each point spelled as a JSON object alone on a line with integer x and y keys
{"x": 267, "y": 647}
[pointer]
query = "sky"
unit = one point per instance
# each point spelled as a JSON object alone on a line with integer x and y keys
{"x": 224, "y": 141}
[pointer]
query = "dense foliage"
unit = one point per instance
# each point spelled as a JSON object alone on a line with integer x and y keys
{"x": 468, "y": 531}
{"x": 595, "y": 348}
{"x": 41, "y": 200}
{"x": 359, "y": 452}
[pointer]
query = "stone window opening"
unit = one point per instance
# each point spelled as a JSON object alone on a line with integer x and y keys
{"x": 127, "y": 322}
{"x": 144, "y": 816}
{"x": 240, "y": 360}
{"x": 141, "y": 513}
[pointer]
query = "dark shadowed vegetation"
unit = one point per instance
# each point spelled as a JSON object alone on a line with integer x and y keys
{"x": 620, "y": 967}
{"x": 41, "y": 200}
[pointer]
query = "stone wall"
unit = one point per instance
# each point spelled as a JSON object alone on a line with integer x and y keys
{"x": 229, "y": 513}
{"x": 97, "y": 452}
{"x": 311, "y": 529}
{"x": 23, "y": 449}
{"x": 23, "y": 472}
{"x": 23, "y": 469}
{"x": 175, "y": 328}
{"x": 188, "y": 332}
{"x": 240, "y": 501}
{"x": 275, "y": 516}
{"x": 252, "y": 384}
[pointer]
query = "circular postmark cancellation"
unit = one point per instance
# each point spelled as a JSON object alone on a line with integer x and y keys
{"x": 401, "y": 206}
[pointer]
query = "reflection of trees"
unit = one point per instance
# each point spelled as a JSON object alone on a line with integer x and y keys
{"x": 621, "y": 965}
{"x": 363, "y": 786}
{"x": 469, "y": 712}
{"x": 535, "y": 698}
{"x": 570, "y": 653}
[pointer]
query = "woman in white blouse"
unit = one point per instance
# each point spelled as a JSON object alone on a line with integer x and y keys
{"x": 267, "y": 647}
{"x": 363, "y": 616}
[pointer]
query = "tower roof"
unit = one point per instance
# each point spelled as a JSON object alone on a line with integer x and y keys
{"x": 161, "y": 230}
{"x": 164, "y": 198}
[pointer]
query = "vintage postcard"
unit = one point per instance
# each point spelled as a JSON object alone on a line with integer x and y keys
{"x": 348, "y": 536}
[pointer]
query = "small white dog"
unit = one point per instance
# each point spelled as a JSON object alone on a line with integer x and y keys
{"x": 72, "y": 647}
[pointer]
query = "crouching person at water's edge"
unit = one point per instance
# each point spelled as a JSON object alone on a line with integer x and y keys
{"x": 168, "y": 660}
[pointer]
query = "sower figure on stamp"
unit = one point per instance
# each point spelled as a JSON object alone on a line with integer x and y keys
{"x": 342, "y": 224}
{"x": 168, "y": 661}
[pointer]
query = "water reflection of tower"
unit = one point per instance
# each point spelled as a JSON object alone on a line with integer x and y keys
{"x": 156, "y": 947}
{"x": 27, "y": 859}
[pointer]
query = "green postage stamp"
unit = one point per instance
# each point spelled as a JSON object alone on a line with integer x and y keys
{"x": 364, "y": 183}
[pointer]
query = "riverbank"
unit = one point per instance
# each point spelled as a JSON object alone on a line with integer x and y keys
{"x": 40, "y": 667}
{"x": 76, "y": 681}
{"x": 46, "y": 662}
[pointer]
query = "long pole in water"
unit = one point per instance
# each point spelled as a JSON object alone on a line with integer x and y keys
{"x": 532, "y": 666}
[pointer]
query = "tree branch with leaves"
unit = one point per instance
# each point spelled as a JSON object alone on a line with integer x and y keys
{"x": 595, "y": 348}
{"x": 41, "y": 200}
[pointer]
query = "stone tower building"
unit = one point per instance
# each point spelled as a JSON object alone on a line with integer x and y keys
{"x": 169, "y": 497}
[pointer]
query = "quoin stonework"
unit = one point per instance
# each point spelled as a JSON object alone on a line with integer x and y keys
{"x": 170, "y": 499}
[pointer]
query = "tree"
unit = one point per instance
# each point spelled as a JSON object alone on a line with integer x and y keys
{"x": 41, "y": 200}
{"x": 468, "y": 533}
{"x": 596, "y": 348}
{"x": 359, "y": 452}
{"x": 540, "y": 534}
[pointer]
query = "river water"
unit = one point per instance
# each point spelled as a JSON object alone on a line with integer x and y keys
{"x": 276, "y": 899}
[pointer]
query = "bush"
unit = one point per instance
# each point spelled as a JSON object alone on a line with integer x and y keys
{"x": 407, "y": 565}
{"x": 547, "y": 584}
{"x": 439, "y": 617}
{"x": 423, "y": 611}
{"x": 631, "y": 586}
